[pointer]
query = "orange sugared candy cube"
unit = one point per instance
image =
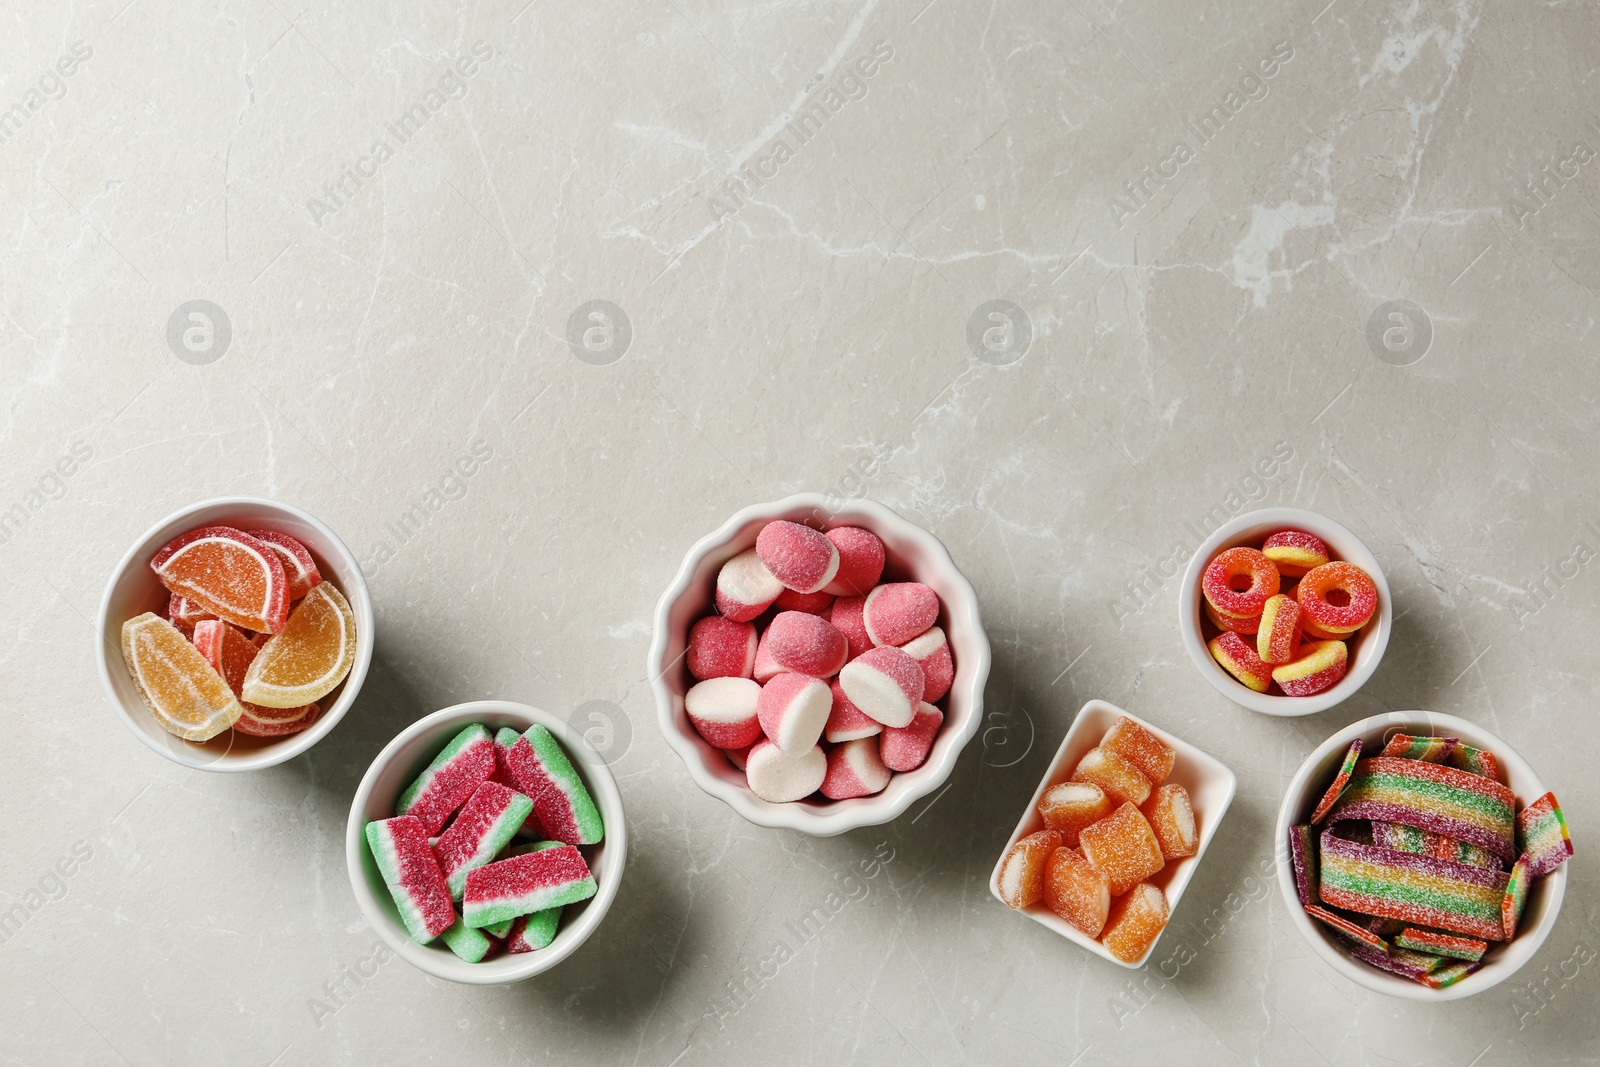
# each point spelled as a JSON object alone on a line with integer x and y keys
{"x": 1141, "y": 748}
{"x": 1171, "y": 816}
{"x": 1023, "y": 872}
{"x": 1070, "y": 806}
{"x": 1124, "y": 847}
{"x": 1112, "y": 772}
{"x": 1076, "y": 891}
{"x": 1136, "y": 922}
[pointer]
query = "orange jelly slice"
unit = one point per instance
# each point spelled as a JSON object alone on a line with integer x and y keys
{"x": 228, "y": 573}
{"x": 312, "y": 655}
{"x": 186, "y": 696}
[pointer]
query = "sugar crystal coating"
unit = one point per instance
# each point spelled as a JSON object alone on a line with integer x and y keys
{"x": 1337, "y": 597}
{"x": 187, "y": 697}
{"x": 806, "y": 644}
{"x": 1171, "y": 816}
{"x": 541, "y": 767}
{"x": 1140, "y": 747}
{"x": 228, "y": 573}
{"x": 1022, "y": 872}
{"x": 861, "y": 559}
{"x": 400, "y": 849}
{"x": 1077, "y": 891}
{"x": 899, "y": 611}
{"x": 453, "y": 776}
{"x": 803, "y": 559}
{"x": 1238, "y": 581}
{"x": 1542, "y": 834}
{"x": 1136, "y": 920}
{"x": 1124, "y": 847}
{"x": 1239, "y": 658}
{"x": 1120, "y": 779}
{"x": 1294, "y": 552}
{"x": 905, "y": 748}
{"x": 522, "y": 884}
{"x": 1070, "y": 806}
{"x": 745, "y": 588}
{"x": 721, "y": 648}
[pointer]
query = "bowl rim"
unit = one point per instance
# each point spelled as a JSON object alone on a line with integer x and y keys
{"x": 602, "y": 785}
{"x": 821, "y": 822}
{"x": 285, "y": 748}
{"x": 1187, "y": 750}
{"x": 1330, "y": 530}
{"x": 1528, "y": 940}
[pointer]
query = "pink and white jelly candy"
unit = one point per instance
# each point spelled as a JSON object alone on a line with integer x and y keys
{"x": 906, "y": 748}
{"x": 860, "y": 561}
{"x": 855, "y": 770}
{"x": 810, "y": 603}
{"x": 846, "y": 618}
{"x": 765, "y": 667}
{"x": 806, "y": 644}
{"x": 793, "y": 709}
{"x": 885, "y": 683}
{"x": 723, "y": 710}
{"x": 899, "y": 611}
{"x": 846, "y": 722}
{"x": 798, "y": 556}
{"x": 721, "y": 648}
{"x": 932, "y": 652}
{"x": 779, "y": 778}
{"x": 745, "y": 588}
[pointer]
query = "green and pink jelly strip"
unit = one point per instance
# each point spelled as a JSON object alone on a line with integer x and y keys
{"x": 400, "y": 849}
{"x": 466, "y": 762}
{"x": 523, "y": 884}
{"x": 541, "y": 768}
{"x": 484, "y": 827}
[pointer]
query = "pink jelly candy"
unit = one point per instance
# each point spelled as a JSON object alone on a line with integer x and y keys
{"x": 932, "y": 652}
{"x": 846, "y": 618}
{"x": 861, "y": 558}
{"x": 886, "y": 683}
{"x": 745, "y": 588}
{"x": 855, "y": 770}
{"x": 806, "y": 644}
{"x": 897, "y": 612}
{"x": 793, "y": 709}
{"x": 721, "y": 648}
{"x": 723, "y": 710}
{"x": 801, "y": 558}
{"x": 846, "y": 722}
{"x": 905, "y": 748}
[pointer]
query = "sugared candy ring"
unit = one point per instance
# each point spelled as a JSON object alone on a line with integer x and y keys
{"x": 1337, "y": 598}
{"x": 1295, "y": 552}
{"x": 1238, "y": 582}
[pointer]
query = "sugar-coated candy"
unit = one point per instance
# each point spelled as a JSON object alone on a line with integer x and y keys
{"x": 308, "y": 657}
{"x": 1294, "y": 552}
{"x": 1542, "y": 834}
{"x": 400, "y": 849}
{"x": 230, "y": 654}
{"x": 467, "y": 942}
{"x": 526, "y": 883}
{"x": 298, "y": 566}
{"x": 846, "y": 722}
{"x": 1427, "y": 749}
{"x": 765, "y": 667}
{"x": 1347, "y": 767}
{"x": 792, "y": 710}
{"x": 1120, "y": 779}
{"x": 1022, "y": 872}
{"x": 861, "y": 558}
{"x": 805, "y": 644}
{"x": 530, "y": 933}
{"x": 1239, "y": 658}
{"x": 1135, "y": 922}
{"x": 1319, "y": 666}
{"x": 1278, "y": 633}
{"x": 1337, "y": 597}
{"x": 846, "y": 618}
{"x": 745, "y": 588}
{"x": 1153, "y": 756}
{"x": 453, "y": 776}
{"x": 723, "y": 711}
{"x": 252, "y": 724}
{"x": 855, "y": 769}
{"x": 1171, "y": 815}
{"x": 899, "y": 611}
{"x": 1474, "y": 761}
{"x": 1345, "y": 927}
{"x": 187, "y": 697}
{"x": 1401, "y": 961}
{"x": 504, "y": 738}
{"x": 560, "y": 799}
{"x": 905, "y": 748}
{"x": 721, "y": 648}
{"x": 228, "y": 573}
{"x": 1427, "y": 843}
{"x": 184, "y": 613}
{"x": 1439, "y": 944}
{"x": 778, "y": 778}
{"x": 1516, "y": 895}
{"x": 1238, "y": 582}
{"x": 803, "y": 559}
{"x": 500, "y": 929}
{"x": 1417, "y": 889}
{"x": 810, "y": 603}
{"x": 1077, "y": 891}
{"x": 488, "y": 820}
{"x": 1249, "y": 625}
{"x": 1449, "y": 974}
{"x": 1303, "y": 858}
{"x": 886, "y": 683}
{"x": 931, "y": 650}
{"x": 1070, "y": 806}
{"x": 1124, "y": 847}
{"x": 1384, "y": 927}
{"x": 1455, "y": 803}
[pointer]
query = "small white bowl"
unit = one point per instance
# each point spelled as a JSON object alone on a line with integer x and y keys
{"x": 134, "y": 589}
{"x": 398, "y": 765}
{"x": 914, "y": 554}
{"x": 1312, "y": 781}
{"x": 1365, "y": 648}
{"x": 1210, "y": 784}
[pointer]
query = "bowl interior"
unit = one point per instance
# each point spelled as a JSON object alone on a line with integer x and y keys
{"x": 1365, "y": 648}
{"x": 1210, "y": 784}
{"x": 398, "y": 765}
{"x": 134, "y": 589}
{"x": 1544, "y": 896}
{"x": 913, "y": 554}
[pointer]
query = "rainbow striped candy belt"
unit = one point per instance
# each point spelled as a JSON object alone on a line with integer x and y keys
{"x": 1416, "y": 889}
{"x": 1431, "y": 796}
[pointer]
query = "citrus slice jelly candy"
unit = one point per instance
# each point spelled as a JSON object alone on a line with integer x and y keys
{"x": 230, "y": 654}
{"x": 187, "y": 697}
{"x": 298, "y": 566}
{"x": 229, "y": 574}
{"x": 309, "y": 657}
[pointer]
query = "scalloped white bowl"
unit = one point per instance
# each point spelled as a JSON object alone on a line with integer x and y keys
{"x": 913, "y": 554}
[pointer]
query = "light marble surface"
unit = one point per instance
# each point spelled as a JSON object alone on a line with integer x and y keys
{"x": 809, "y": 331}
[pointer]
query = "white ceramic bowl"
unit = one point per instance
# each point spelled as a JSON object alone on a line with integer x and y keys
{"x": 913, "y": 554}
{"x": 1312, "y": 781}
{"x": 1366, "y": 647}
{"x": 133, "y": 589}
{"x": 1211, "y": 786}
{"x": 398, "y": 765}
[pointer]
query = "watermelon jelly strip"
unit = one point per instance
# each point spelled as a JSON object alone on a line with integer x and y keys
{"x": 563, "y": 805}
{"x": 484, "y": 827}
{"x": 521, "y": 885}
{"x": 400, "y": 847}
{"x": 450, "y": 779}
